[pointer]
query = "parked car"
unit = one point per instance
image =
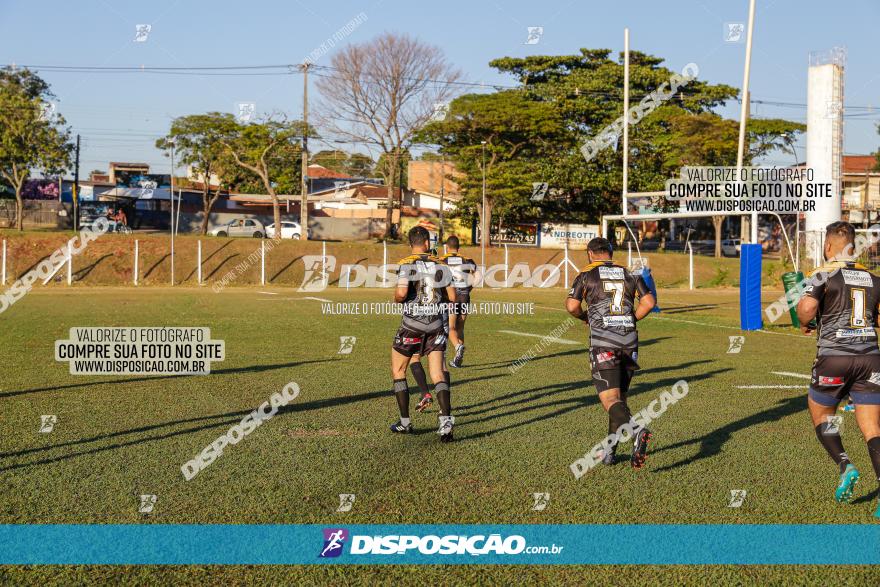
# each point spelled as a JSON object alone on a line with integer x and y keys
{"x": 240, "y": 227}
{"x": 730, "y": 247}
{"x": 289, "y": 229}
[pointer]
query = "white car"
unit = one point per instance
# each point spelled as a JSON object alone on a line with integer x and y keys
{"x": 289, "y": 229}
{"x": 730, "y": 247}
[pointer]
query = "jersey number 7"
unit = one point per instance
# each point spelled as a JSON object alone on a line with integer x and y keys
{"x": 616, "y": 289}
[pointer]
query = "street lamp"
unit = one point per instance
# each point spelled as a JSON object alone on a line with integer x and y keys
{"x": 171, "y": 141}
{"x": 484, "y": 236}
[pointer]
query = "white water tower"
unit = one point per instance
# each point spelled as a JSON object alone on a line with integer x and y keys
{"x": 824, "y": 142}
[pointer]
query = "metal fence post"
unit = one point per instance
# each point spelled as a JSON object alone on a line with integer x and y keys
{"x": 69, "y": 264}
{"x": 691, "y": 262}
{"x": 262, "y": 262}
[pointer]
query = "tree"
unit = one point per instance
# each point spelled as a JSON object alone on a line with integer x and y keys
{"x": 402, "y": 171}
{"x": 708, "y": 139}
{"x": 267, "y": 149}
{"x": 587, "y": 91}
{"x": 353, "y": 165}
{"x": 32, "y": 136}
{"x": 517, "y": 130}
{"x": 198, "y": 142}
{"x": 579, "y": 97}
{"x": 381, "y": 93}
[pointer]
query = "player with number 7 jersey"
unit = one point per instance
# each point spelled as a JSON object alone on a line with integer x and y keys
{"x": 610, "y": 292}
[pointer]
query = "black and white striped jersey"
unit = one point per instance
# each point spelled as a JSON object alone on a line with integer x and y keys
{"x": 848, "y": 295}
{"x": 609, "y": 291}
{"x": 426, "y": 278}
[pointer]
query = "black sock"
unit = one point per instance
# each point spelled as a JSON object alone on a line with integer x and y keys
{"x": 401, "y": 392}
{"x": 618, "y": 415}
{"x": 444, "y": 398}
{"x": 833, "y": 445}
{"x": 874, "y": 451}
{"x": 419, "y": 375}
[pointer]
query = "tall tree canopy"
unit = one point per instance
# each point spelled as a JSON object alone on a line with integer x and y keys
{"x": 381, "y": 93}
{"x": 564, "y": 101}
{"x": 32, "y": 136}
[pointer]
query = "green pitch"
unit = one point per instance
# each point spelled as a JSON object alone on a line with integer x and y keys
{"x": 117, "y": 438}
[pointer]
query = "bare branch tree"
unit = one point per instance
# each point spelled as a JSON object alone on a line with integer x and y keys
{"x": 381, "y": 93}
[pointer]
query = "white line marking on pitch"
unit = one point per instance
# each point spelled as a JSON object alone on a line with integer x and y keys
{"x": 701, "y": 324}
{"x": 728, "y": 327}
{"x": 789, "y": 374}
{"x": 316, "y": 299}
{"x": 559, "y": 340}
{"x": 269, "y": 293}
{"x": 549, "y": 308}
{"x": 770, "y": 387}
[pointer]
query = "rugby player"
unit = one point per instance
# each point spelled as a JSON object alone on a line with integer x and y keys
{"x": 609, "y": 292}
{"x": 464, "y": 275}
{"x": 843, "y": 297}
{"x": 424, "y": 285}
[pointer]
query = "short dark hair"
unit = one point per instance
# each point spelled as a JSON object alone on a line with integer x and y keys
{"x": 600, "y": 245}
{"x": 841, "y": 229}
{"x": 453, "y": 243}
{"x": 418, "y": 235}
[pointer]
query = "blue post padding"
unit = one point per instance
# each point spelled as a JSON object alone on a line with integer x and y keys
{"x": 649, "y": 281}
{"x": 750, "y": 287}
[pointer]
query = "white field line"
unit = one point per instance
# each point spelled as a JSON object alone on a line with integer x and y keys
{"x": 559, "y": 340}
{"x": 789, "y": 374}
{"x": 655, "y": 317}
{"x": 771, "y": 387}
{"x": 270, "y": 293}
{"x": 294, "y": 299}
{"x": 727, "y": 327}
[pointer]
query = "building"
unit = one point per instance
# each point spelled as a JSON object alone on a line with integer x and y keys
{"x": 429, "y": 183}
{"x": 861, "y": 190}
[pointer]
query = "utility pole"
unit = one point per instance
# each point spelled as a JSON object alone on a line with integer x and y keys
{"x": 744, "y": 116}
{"x": 442, "y": 194}
{"x": 304, "y": 198}
{"x": 75, "y": 195}
{"x": 484, "y": 229}
{"x": 171, "y": 201}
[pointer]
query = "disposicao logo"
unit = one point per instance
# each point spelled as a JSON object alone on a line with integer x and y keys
{"x": 334, "y": 540}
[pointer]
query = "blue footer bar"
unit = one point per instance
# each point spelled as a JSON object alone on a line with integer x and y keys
{"x": 110, "y": 544}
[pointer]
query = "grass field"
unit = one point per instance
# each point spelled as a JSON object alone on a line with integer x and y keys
{"x": 516, "y": 434}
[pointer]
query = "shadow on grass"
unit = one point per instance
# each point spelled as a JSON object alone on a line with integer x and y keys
{"x": 578, "y": 351}
{"x": 206, "y": 259}
{"x": 712, "y": 442}
{"x": 222, "y": 421}
{"x": 251, "y": 369}
{"x": 285, "y": 268}
{"x": 84, "y": 272}
{"x": 523, "y": 400}
{"x": 222, "y": 263}
{"x": 868, "y": 497}
{"x": 688, "y": 309}
{"x": 155, "y": 265}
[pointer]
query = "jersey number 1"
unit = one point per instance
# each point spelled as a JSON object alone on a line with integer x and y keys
{"x": 858, "y": 317}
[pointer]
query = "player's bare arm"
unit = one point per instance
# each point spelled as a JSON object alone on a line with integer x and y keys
{"x": 806, "y": 312}
{"x": 575, "y": 308}
{"x": 646, "y": 304}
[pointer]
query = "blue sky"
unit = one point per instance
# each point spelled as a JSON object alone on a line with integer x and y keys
{"x": 120, "y": 115}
